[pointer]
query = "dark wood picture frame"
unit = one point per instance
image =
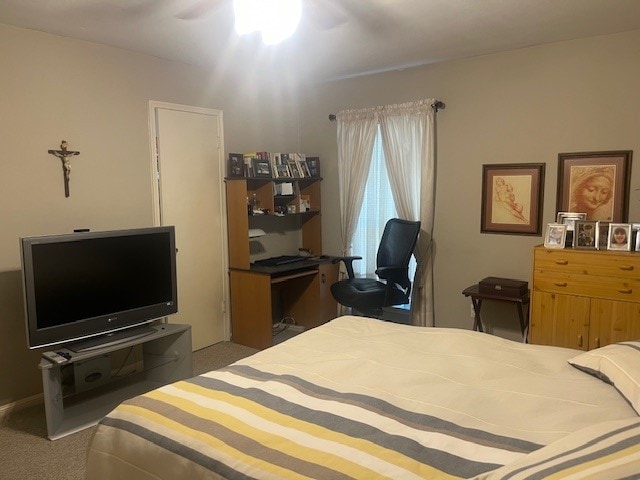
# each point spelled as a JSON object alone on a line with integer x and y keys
{"x": 595, "y": 183}
{"x": 313, "y": 164}
{"x": 262, "y": 168}
{"x": 512, "y": 198}
{"x": 236, "y": 165}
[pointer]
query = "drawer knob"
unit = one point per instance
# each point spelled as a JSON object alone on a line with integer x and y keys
{"x": 580, "y": 340}
{"x": 561, "y": 262}
{"x": 625, "y": 290}
{"x": 560, "y": 284}
{"x": 626, "y": 267}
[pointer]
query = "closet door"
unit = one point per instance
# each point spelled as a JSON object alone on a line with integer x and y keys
{"x": 189, "y": 187}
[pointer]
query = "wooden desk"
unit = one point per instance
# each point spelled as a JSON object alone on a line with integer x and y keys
{"x": 304, "y": 288}
{"x": 477, "y": 297}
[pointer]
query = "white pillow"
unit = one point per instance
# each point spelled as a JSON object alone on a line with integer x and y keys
{"x": 604, "y": 451}
{"x": 617, "y": 364}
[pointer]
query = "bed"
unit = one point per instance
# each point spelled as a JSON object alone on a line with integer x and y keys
{"x": 362, "y": 398}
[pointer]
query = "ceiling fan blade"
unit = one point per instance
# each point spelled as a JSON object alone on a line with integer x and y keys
{"x": 198, "y": 9}
{"x": 325, "y": 14}
{"x": 328, "y": 14}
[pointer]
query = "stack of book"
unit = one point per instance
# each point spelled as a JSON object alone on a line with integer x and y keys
{"x": 273, "y": 165}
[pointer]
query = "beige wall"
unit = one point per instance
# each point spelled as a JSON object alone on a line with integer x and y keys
{"x": 517, "y": 107}
{"x": 522, "y": 106}
{"x": 96, "y": 98}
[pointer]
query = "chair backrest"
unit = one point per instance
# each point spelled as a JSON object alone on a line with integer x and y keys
{"x": 396, "y": 247}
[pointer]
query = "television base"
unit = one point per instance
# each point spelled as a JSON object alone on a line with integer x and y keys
{"x": 70, "y": 407}
{"x": 111, "y": 339}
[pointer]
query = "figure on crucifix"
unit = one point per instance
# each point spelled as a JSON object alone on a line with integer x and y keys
{"x": 63, "y": 154}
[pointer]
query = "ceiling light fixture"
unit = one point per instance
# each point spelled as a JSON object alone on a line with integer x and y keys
{"x": 274, "y": 19}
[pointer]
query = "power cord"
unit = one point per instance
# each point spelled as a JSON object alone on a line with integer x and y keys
{"x": 282, "y": 325}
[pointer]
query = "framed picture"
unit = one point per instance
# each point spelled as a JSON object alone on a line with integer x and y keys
{"x": 570, "y": 218}
{"x": 585, "y": 234}
{"x": 595, "y": 183}
{"x": 635, "y": 237}
{"x": 555, "y": 236}
{"x": 619, "y": 236}
{"x": 313, "y": 164}
{"x": 512, "y": 197}
{"x": 261, "y": 168}
{"x": 236, "y": 165}
{"x": 603, "y": 235}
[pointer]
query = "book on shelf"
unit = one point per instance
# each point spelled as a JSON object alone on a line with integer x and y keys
{"x": 281, "y": 168}
{"x": 248, "y": 164}
{"x": 280, "y": 165}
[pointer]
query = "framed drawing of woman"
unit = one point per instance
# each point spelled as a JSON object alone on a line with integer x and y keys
{"x": 595, "y": 183}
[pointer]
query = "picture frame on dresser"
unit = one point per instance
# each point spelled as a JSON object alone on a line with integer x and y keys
{"x": 596, "y": 183}
{"x": 512, "y": 198}
{"x": 635, "y": 237}
{"x": 555, "y": 235}
{"x": 585, "y": 234}
{"x": 603, "y": 235}
{"x": 619, "y": 237}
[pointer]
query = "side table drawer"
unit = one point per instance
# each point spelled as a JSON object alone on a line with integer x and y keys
{"x": 587, "y": 285}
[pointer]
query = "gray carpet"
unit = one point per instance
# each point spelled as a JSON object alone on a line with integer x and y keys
{"x": 26, "y": 453}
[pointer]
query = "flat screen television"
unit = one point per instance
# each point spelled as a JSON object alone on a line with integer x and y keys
{"x": 89, "y": 284}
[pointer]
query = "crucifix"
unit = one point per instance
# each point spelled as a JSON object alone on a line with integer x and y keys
{"x": 63, "y": 154}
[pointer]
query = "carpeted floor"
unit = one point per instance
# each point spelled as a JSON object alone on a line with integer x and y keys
{"x": 27, "y": 454}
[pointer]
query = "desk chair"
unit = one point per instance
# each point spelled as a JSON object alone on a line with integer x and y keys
{"x": 369, "y": 296}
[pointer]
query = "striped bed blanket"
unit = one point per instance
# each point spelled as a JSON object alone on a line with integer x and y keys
{"x": 358, "y": 398}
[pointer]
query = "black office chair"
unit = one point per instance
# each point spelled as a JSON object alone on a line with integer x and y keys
{"x": 368, "y": 296}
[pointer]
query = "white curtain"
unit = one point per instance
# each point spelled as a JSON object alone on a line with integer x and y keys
{"x": 356, "y": 134}
{"x": 377, "y": 208}
{"x": 408, "y": 140}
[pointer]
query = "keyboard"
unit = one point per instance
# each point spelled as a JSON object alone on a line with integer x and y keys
{"x": 281, "y": 260}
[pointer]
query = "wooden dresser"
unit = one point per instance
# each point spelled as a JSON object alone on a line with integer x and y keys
{"x": 584, "y": 299}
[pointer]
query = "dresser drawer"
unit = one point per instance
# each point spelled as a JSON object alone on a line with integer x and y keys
{"x": 606, "y": 264}
{"x": 596, "y": 286}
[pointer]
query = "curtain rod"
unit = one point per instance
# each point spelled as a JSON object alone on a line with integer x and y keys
{"x": 437, "y": 105}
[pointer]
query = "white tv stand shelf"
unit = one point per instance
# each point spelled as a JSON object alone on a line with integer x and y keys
{"x": 81, "y": 391}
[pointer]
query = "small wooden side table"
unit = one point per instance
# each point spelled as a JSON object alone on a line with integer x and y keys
{"x": 521, "y": 302}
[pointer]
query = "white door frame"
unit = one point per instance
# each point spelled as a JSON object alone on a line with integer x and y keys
{"x": 156, "y": 194}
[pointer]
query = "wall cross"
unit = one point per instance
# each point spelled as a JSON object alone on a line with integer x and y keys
{"x": 63, "y": 154}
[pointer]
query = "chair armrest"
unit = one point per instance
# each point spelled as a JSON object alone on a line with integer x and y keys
{"x": 394, "y": 275}
{"x": 348, "y": 263}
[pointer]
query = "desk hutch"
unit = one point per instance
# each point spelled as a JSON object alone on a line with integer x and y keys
{"x": 303, "y": 287}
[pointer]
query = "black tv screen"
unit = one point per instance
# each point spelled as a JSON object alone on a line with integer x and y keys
{"x": 93, "y": 283}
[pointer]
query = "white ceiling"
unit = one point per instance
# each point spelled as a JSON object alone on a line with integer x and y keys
{"x": 336, "y": 38}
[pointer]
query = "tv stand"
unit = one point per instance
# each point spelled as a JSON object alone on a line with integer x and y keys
{"x": 111, "y": 339}
{"x": 81, "y": 391}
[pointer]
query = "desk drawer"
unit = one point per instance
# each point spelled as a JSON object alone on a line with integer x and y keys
{"x": 587, "y": 285}
{"x": 623, "y": 266}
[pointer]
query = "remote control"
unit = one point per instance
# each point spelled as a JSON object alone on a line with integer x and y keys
{"x": 54, "y": 357}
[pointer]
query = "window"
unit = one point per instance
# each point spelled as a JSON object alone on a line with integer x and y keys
{"x": 377, "y": 207}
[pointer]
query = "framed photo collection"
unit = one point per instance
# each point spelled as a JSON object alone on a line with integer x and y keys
{"x": 594, "y": 235}
{"x": 593, "y": 202}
